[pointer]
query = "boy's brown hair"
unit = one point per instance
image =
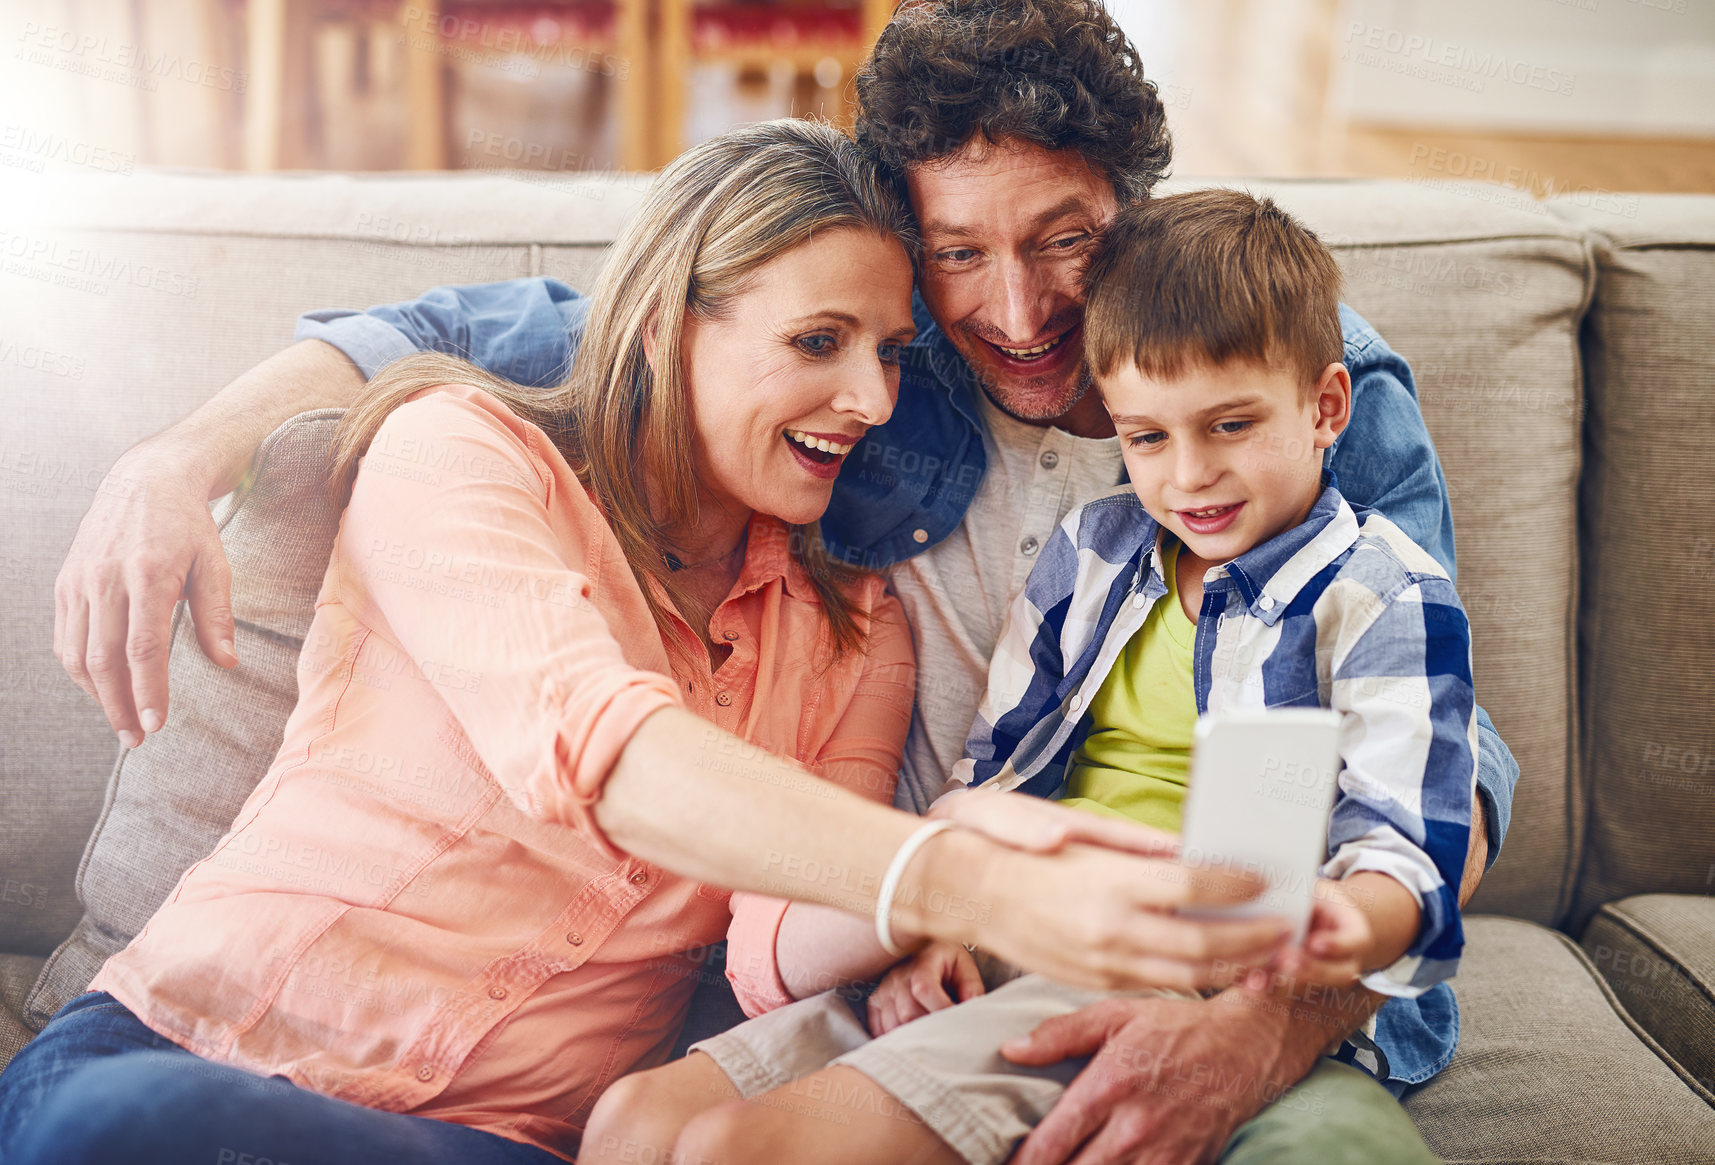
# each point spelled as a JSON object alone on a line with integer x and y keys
{"x": 1209, "y": 277}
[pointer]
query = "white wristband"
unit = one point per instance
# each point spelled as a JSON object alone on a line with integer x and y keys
{"x": 890, "y": 882}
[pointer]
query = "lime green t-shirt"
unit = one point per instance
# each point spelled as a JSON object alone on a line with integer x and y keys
{"x": 1136, "y": 760}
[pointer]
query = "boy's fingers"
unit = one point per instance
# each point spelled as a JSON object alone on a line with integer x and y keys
{"x": 967, "y": 979}
{"x": 929, "y": 993}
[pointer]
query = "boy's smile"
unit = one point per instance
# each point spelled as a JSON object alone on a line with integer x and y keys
{"x": 1226, "y": 457}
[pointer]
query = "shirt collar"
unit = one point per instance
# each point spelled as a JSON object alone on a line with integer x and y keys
{"x": 768, "y": 556}
{"x": 1270, "y": 576}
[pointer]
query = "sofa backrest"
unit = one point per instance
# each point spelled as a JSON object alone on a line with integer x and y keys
{"x": 1647, "y": 615}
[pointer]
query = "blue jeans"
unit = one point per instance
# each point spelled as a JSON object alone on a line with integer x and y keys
{"x": 98, "y": 1086}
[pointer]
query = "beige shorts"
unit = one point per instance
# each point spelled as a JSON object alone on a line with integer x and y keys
{"x": 945, "y": 1067}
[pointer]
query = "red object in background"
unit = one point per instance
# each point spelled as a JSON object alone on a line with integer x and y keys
{"x": 720, "y": 26}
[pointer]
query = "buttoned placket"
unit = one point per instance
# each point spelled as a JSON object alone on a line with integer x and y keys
{"x": 564, "y": 945}
{"x": 1050, "y": 476}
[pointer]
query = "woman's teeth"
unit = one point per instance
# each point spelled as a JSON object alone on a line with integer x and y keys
{"x": 1027, "y": 353}
{"x": 819, "y": 443}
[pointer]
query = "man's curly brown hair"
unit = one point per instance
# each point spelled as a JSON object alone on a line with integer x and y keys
{"x": 1057, "y": 73}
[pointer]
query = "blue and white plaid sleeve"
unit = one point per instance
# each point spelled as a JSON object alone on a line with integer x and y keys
{"x": 1401, "y": 670}
{"x": 1027, "y": 666}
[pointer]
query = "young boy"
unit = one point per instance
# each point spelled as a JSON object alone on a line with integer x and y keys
{"x": 1230, "y": 574}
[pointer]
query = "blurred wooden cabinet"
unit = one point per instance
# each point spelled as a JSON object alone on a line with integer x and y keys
{"x": 812, "y": 37}
{"x": 644, "y": 52}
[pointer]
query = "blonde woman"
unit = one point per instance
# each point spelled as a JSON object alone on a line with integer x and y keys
{"x": 599, "y": 669}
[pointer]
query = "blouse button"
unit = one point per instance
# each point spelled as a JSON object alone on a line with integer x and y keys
{"x": 1075, "y": 703}
{"x": 576, "y": 939}
{"x": 1266, "y": 602}
{"x": 639, "y": 878}
{"x": 919, "y": 536}
{"x": 1138, "y": 600}
{"x": 724, "y": 699}
{"x": 425, "y": 1073}
{"x": 497, "y": 993}
{"x": 731, "y": 636}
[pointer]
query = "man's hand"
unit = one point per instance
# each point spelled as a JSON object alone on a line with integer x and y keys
{"x": 934, "y": 978}
{"x": 147, "y": 540}
{"x": 1171, "y": 1080}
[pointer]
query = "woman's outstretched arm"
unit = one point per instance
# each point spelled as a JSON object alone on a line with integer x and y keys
{"x": 1087, "y": 915}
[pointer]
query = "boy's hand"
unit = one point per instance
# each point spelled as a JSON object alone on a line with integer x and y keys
{"x": 1337, "y": 943}
{"x": 920, "y": 985}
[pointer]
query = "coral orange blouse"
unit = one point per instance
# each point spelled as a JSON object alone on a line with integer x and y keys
{"x": 415, "y": 910}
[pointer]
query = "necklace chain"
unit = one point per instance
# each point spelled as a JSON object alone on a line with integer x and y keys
{"x": 675, "y": 564}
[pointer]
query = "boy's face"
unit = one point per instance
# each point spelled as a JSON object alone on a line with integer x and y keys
{"x": 1226, "y": 457}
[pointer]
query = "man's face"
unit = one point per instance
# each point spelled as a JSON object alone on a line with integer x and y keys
{"x": 1226, "y": 457}
{"x": 1007, "y": 228}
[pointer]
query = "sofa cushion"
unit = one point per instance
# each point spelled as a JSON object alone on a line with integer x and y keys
{"x": 174, "y": 797}
{"x": 1484, "y": 301}
{"x": 127, "y": 301}
{"x": 1647, "y": 617}
{"x": 1550, "y": 1067}
{"x": 17, "y": 975}
{"x": 1657, "y": 951}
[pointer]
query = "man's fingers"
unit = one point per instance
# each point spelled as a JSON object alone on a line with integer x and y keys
{"x": 1116, "y": 1143}
{"x": 209, "y": 591}
{"x": 1065, "y": 1036}
{"x": 1074, "y": 1119}
{"x": 105, "y": 659}
{"x": 71, "y": 642}
{"x": 148, "y": 642}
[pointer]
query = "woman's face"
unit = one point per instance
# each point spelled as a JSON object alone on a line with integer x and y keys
{"x": 798, "y": 368}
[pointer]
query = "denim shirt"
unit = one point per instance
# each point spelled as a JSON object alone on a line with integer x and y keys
{"x": 908, "y": 483}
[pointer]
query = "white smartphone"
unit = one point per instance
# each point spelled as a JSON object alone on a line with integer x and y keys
{"x": 1262, "y": 788}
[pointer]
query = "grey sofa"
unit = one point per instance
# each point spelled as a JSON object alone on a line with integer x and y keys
{"x": 1565, "y": 359}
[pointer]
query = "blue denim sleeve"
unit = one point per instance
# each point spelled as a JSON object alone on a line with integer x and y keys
{"x": 1385, "y": 460}
{"x": 523, "y": 329}
{"x": 1497, "y": 776}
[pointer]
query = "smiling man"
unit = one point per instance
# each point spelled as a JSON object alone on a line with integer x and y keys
{"x": 1016, "y": 129}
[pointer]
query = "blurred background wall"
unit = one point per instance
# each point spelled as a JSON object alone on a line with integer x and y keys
{"x": 1540, "y": 96}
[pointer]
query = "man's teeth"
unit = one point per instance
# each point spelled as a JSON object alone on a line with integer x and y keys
{"x": 820, "y": 443}
{"x": 1026, "y": 353}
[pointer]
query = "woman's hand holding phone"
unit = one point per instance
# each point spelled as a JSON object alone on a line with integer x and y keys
{"x": 1088, "y": 915}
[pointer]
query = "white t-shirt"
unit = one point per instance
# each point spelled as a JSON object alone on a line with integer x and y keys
{"x": 957, "y": 593}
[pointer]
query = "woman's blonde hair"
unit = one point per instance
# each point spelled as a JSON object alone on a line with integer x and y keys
{"x": 715, "y": 215}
